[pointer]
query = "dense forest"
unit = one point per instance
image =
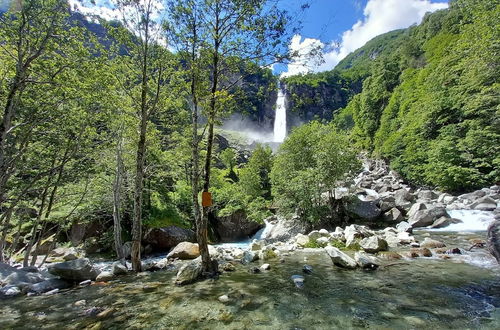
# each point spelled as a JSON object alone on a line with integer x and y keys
{"x": 429, "y": 97}
{"x": 107, "y": 131}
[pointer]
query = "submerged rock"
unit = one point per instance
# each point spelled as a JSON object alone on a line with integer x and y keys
{"x": 307, "y": 269}
{"x": 431, "y": 243}
{"x": 365, "y": 261}
{"x": 340, "y": 259}
{"x": 10, "y": 291}
{"x": 265, "y": 267}
{"x": 74, "y": 270}
{"x": 48, "y": 285}
{"x": 298, "y": 280}
{"x": 248, "y": 257}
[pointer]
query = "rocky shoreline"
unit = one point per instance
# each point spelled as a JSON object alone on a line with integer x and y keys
{"x": 378, "y": 193}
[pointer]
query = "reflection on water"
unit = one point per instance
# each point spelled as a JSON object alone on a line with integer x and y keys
{"x": 417, "y": 293}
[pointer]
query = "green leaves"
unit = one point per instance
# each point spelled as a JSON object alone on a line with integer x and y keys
{"x": 314, "y": 159}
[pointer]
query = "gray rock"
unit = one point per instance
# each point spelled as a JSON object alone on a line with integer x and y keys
{"x": 285, "y": 229}
{"x": 404, "y": 226}
{"x": 393, "y": 215}
{"x": 424, "y": 218}
{"x": 484, "y": 204}
{"x": 265, "y": 267}
{"x": 365, "y": 261}
{"x": 9, "y": 291}
{"x": 75, "y": 270}
{"x": 22, "y": 279}
{"x": 403, "y": 198}
{"x": 364, "y": 210}
{"x": 301, "y": 239}
{"x": 119, "y": 269}
{"x": 494, "y": 239}
{"x": 427, "y": 195}
{"x": 432, "y": 244}
{"x": 340, "y": 259}
{"x": 189, "y": 272}
{"x": 248, "y": 257}
{"x": 236, "y": 226}
{"x": 387, "y": 203}
{"x": 298, "y": 280}
{"x": 48, "y": 285}
{"x": 104, "y": 277}
{"x": 415, "y": 208}
{"x": 373, "y": 244}
{"x": 444, "y": 222}
{"x": 185, "y": 250}
{"x": 163, "y": 239}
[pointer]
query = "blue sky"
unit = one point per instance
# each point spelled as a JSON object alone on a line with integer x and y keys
{"x": 342, "y": 26}
{"x": 338, "y": 27}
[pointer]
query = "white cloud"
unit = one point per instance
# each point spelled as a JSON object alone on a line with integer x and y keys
{"x": 380, "y": 16}
{"x": 304, "y": 50}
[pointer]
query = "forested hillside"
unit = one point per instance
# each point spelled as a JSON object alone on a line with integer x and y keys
{"x": 429, "y": 99}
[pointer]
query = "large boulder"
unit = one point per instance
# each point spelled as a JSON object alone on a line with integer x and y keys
{"x": 185, "y": 250}
{"x": 189, "y": 272}
{"x": 403, "y": 198}
{"x": 340, "y": 259}
{"x": 48, "y": 285}
{"x": 494, "y": 239}
{"x": 373, "y": 244}
{"x": 426, "y": 217}
{"x": 366, "y": 261}
{"x": 484, "y": 204}
{"x": 236, "y": 227}
{"x": 363, "y": 210}
{"x": 393, "y": 215}
{"x": 284, "y": 229}
{"x": 16, "y": 277}
{"x": 163, "y": 239}
{"x": 75, "y": 270}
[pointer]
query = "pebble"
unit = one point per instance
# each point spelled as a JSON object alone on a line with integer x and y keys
{"x": 82, "y": 302}
{"x": 265, "y": 267}
{"x": 224, "y": 299}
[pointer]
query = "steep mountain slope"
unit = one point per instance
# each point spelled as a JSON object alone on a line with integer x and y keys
{"x": 431, "y": 106}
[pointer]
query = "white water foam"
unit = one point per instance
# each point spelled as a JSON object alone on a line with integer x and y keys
{"x": 472, "y": 220}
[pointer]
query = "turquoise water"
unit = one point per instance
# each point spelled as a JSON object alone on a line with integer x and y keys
{"x": 405, "y": 294}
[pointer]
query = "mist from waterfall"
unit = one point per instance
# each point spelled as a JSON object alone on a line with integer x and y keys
{"x": 280, "y": 117}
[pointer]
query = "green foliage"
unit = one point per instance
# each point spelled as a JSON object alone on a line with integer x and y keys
{"x": 432, "y": 106}
{"x": 313, "y": 160}
{"x": 251, "y": 193}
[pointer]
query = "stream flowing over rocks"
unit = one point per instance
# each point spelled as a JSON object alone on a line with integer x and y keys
{"x": 433, "y": 242}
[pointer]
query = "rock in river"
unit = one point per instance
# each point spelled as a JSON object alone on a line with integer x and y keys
{"x": 373, "y": 244}
{"x": 298, "y": 280}
{"x": 74, "y": 270}
{"x": 189, "y": 272}
{"x": 185, "y": 250}
{"x": 340, "y": 259}
{"x": 163, "y": 239}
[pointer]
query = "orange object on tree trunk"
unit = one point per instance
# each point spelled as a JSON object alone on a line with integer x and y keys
{"x": 206, "y": 199}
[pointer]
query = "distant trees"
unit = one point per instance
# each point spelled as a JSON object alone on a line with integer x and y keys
{"x": 314, "y": 160}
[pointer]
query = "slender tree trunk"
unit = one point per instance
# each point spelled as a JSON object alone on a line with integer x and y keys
{"x": 141, "y": 154}
{"x": 3, "y": 239}
{"x": 117, "y": 186}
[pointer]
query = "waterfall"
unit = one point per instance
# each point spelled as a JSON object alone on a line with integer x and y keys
{"x": 280, "y": 117}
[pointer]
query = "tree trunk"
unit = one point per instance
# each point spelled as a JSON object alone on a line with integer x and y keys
{"x": 141, "y": 154}
{"x": 3, "y": 239}
{"x": 117, "y": 203}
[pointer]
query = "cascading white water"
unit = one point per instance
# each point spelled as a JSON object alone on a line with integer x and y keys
{"x": 280, "y": 117}
{"x": 472, "y": 220}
